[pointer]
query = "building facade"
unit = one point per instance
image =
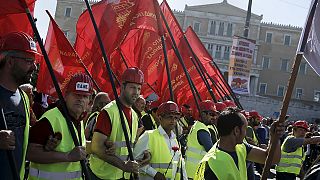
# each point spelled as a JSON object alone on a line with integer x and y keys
{"x": 216, "y": 24}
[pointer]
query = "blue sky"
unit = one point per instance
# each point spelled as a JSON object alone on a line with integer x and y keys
{"x": 293, "y": 12}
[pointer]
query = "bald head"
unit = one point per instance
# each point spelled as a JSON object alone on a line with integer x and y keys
{"x": 100, "y": 100}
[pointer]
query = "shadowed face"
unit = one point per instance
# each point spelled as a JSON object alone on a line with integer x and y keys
{"x": 22, "y": 66}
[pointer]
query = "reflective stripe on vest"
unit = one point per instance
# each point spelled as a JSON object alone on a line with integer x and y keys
{"x": 291, "y": 162}
{"x": 26, "y": 131}
{"x": 54, "y": 175}
{"x": 222, "y": 164}
{"x": 195, "y": 151}
{"x": 161, "y": 161}
{"x": 58, "y": 124}
{"x": 99, "y": 167}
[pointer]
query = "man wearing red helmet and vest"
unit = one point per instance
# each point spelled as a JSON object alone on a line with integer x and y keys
{"x": 63, "y": 162}
{"x": 108, "y": 127}
{"x": 292, "y": 154}
{"x": 166, "y": 158}
{"x": 17, "y": 57}
{"x": 200, "y": 138}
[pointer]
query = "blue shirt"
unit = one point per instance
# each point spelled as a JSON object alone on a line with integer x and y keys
{"x": 13, "y": 107}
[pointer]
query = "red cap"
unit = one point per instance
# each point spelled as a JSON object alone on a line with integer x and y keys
{"x": 18, "y": 41}
{"x": 207, "y": 105}
{"x": 168, "y": 107}
{"x": 133, "y": 75}
{"x": 254, "y": 113}
{"x": 229, "y": 103}
{"x": 80, "y": 84}
{"x": 301, "y": 124}
{"x": 220, "y": 106}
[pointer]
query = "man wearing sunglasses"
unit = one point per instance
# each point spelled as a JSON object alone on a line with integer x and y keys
{"x": 17, "y": 56}
{"x": 199, "y": 138}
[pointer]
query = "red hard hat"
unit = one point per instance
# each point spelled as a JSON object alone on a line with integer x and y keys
{"x": 254, "y": 113}
{"x": 133, "y": 75}
{"x": 80, "y": 84}
{"x": 18, "y": 41}
{"x": 229, "y": 103}
{"x": 168, "y": 107}
{"x": 302, "y": 124}
{"x": 220, "y": 106}
{"x": 207, "y": 105}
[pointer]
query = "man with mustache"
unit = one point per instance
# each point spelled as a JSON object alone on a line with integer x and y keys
{"x": 108, "y": 127}
{"x": 166, "y": 158}
{"x": 63, "y": 160}
{"x": 17, "y": 57}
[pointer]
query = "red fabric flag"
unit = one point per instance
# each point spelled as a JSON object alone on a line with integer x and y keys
{"x": 14, "y": 6}
{"x": 13, "y": 17}
{"x": 129, "y": 27}
{"x": 205, "y": 59}
{"x": 180, "y": 85}
{"x": 63, "y": 58}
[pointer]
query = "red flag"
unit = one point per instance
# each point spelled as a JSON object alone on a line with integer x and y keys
{"x": 15, "y": 6}
{"x": 205, "y": 59}
{"x": 13, "y": 17}
{"x": 129, "y": 27}
{"x": 63, "y": 58}
{"x": 180, "y": 85}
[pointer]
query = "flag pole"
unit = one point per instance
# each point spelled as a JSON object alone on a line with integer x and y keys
{"x": 164, "y": 48}
{"x": 110, "y": 74}
{"x": 10, "y": 155}
{"x": 192, "y": 87}
{"x": 56, "y": 85}
{"x": 221, "y": 79}
{"x": 204, "y": 79}
{"x": 292, "y": 79}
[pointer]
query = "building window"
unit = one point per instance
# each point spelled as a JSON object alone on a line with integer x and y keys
{"x": 66, "y": 33}
{"x": 263, "y": 88}
{"x": 265, "y": 62}
{"x": 268, "y": 37}
{"x": 221, "y": 29}
{"x": 212, "y": 30}
{"x": 196, "y": 27}
{"x": 226, "y": 54}
{"x": 280, "y": 91}
{"x": 67, "y": 12}
{"x": 218, "y": 52}
{"x": 298, "y": 93}
{"x": 210, "y": 48}
{"x": 316, "y": 96}
{"x": 284, "y": 65}
{"x": 229, "y": 30}
{"x": 303, "y": 68}
{"x": 287, "y": 40}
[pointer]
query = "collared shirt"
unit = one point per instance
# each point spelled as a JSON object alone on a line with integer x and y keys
{"x": 143, "y": 144}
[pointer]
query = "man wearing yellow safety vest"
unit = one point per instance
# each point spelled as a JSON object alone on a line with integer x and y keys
{"x": 166, "y": 158}
{"x": 99, "y": 101}
{"x": 108, "y": 127}
{"x": 17, "y": 56}
{"x": 292, "y": 154}
{"x": 199, "y": 138}
{"x": 227, "y": 158}
{"x": 63, "y": 162}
